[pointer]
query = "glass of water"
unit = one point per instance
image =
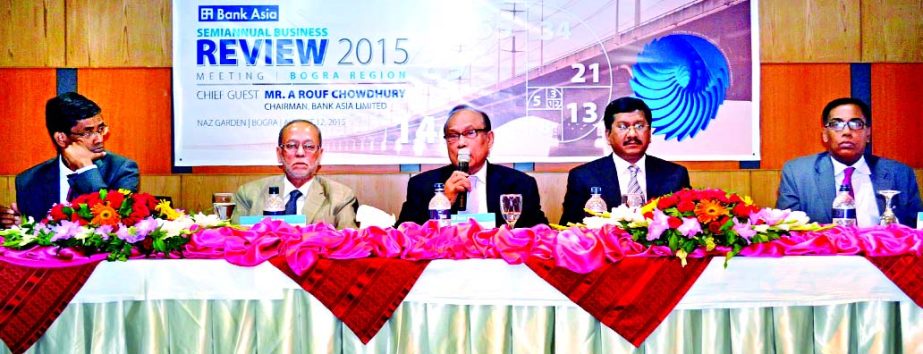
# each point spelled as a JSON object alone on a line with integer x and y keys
{"x": 511, "y": 208}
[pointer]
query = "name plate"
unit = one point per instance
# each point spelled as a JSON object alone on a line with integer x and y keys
{"x": 289, "y": 219}
{"x": 486, "y": 220}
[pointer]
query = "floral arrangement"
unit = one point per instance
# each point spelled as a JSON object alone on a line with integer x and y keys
{"x": 689, "y": 219}
{"x": 118, "y": 223}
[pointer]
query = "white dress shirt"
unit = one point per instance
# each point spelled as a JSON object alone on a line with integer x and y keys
{"x": 866, "y": 206}
{"x": 477, "y": 196}
{"x": 621, "y": 167}
{"x": 289, "y": 187}
{"x": 63, "y": 184}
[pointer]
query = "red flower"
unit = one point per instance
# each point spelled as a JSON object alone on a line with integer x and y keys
{"x": 138, "y": 212}
{"x": 667, "y": 202}
{"x": 685, "y": 206}
{"x": 114, "y": 199}
{"x": 146, "y": 200}
{"x": 649, "y": 215}
{"x": 674, "y": 222}
{"x": 715, "y": 228}
{"x": 57, "y": 213}
{"x": 742, "y": 210}
{"x": 735, "y": 199}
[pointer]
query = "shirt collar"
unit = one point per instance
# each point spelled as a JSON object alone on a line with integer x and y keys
{"x": 861, "y": 166}
{"x": 63, "y": 168}
{"x": 289, "y": 187}
{"x": 482, "y": 174}
{"x": 622, "y": 166}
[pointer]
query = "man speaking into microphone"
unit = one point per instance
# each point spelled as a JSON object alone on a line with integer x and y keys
{"x": 472, "y": 184}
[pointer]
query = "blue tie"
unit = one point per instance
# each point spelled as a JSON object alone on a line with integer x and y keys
{"x": 291, "y": 207}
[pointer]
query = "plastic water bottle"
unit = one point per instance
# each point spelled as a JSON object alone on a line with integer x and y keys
{"x": 439, "y": 206}
{"x": 274, "y": 205}
{"x": 596, "y": 202}
{"x": 844, "y": 208}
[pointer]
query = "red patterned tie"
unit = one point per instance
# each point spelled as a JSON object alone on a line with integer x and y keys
{"x": 847, "y": 180}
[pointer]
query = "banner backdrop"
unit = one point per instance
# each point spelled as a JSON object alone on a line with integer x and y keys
{"x": 379, "y": 77}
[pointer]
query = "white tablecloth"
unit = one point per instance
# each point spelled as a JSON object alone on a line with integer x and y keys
{"x": 746, "y": 282}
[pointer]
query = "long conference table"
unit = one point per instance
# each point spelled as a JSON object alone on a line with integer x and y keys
{"x": 806, "y": 304}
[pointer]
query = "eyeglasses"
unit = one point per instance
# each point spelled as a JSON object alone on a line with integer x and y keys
{"x": 839, "y": 125}
{"x": 468, "y": 134}
{"x": 638, "y": 127}
{"x": 101, "y": 130}
{"x": 292, "y": 147}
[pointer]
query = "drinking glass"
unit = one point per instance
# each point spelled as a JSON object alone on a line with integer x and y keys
{"x": 888, "y": 217}
{"x": 511, "y": 208}
{"x": 633, "y": 200}
{"x": 223, "y": 204}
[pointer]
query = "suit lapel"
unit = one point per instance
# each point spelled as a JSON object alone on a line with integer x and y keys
{"x": 881, "y": 179}
{"x": 49, "y": 187}
{"x": 493, "y": 189}
{"x": 824, "y": 180}
{"x": 314, "y": 200}
{"x": 652, "y": 171}
{"x": 608, "y": 176}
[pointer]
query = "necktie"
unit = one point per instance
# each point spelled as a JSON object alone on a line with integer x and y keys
{"x": 291, "y": 207}
{"x": 633, "y": 186}
{"x": 472, "y": 206}
{"x": 847, "y": 180}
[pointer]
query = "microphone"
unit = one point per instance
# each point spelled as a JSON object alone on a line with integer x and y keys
{"x": 464, "y": 157}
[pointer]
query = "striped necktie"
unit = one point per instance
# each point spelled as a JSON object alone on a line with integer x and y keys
{"x": 633, "y": 186}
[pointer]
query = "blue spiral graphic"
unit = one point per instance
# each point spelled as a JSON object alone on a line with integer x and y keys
{"x": 684, "y": 78}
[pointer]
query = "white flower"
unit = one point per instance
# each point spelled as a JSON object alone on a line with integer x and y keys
{"x": 761, "y": 228}
{"x": 203, "y": 220}
{"x": 175, "y": 227}
{"x": 797, "y": 218}
{"x": 83, "y": 233}
{"x": 27, "y": 239}
{"x": 595, "y": 222}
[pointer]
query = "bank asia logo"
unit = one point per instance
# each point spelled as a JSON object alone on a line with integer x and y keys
{"x": 239, "y": 13}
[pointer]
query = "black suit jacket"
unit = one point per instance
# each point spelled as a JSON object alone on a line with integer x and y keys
{"x": 38, "y": 188}
{"x": 663, "y": 177}
{"x": 500, "y": 180}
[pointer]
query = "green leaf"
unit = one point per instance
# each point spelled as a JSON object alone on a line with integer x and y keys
{"x": 102, "y": 193}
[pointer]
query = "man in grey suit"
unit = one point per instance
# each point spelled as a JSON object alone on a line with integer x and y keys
{"x": 304, "y": 193}
{"x": 78, "y": 131}
{"x": 810, "y": 183}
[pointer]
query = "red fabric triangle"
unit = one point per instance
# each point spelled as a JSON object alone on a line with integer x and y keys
{"x": 363, "y": 293}
{"x": 32, "y": 298}
{"x": 906, "y": 271}
{"x": 632, "y": 296}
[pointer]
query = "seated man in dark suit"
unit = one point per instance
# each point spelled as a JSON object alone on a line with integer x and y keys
{"x": 470, "y": 128}
{"x": 810, "y": 183}
{"x": 78, "y": 131}
{"x": 628, "y": 170}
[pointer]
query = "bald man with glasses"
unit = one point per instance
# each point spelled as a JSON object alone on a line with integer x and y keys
{"x": 82, "y": 165}
{"x": 299, "y": 151}
{"x": 810, "y": 183}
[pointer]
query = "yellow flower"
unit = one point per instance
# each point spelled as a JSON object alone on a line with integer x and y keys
{"x": 124, "y": 191}
{"x": 709, "y": 210}
{"x": 747, "y": 200}
{"x": 166, "y": 211}
{"x": 103, "y": 214}
{"x": 681, "y": 253}
{"x": 649, "y": 207}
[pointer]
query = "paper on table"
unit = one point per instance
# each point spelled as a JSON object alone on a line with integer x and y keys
{"x": 371, "y": 216}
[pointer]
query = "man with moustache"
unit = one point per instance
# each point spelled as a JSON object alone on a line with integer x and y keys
{"x": 82, "y": 165}
{"x": 469, "y": 128}
{"x": 628, "y": 169}
{"x": 810, "y": 183}
{"x": 299, "y": 150}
